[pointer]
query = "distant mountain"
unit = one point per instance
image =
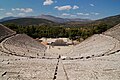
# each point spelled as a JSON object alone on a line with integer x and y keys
{"x": 52, "y": 18}
{"x": 8, "y": 18}
{"x": 112, "y": 20}
{"x": 29, "y": 21}
{"x": 48, "y": 17}
{"x": 60, "y": 20}
{"x": 38, "y": 20}
{"x": 80, "y": 20}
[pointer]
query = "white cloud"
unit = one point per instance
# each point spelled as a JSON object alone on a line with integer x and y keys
{"x": 83, "y": 14}
{"x": 65, "y": 14}
{"x": 1, "y": 9}
{"x": 67, "y": 7}
{"x": 9, "y": 14}
{"x": 56, "y": 7}
{"x": 95, "y": 13}
{"x": 26, "y": 10}
{"x": 21, "y": 14}
{"x": 75, "y": 7}
{"x": 92, "y": 5}
{"x": 13, "y": 9}
{"x": 73, "y": 15}
{"x": 47, "y": 2}
{"x": 68, "y": 15}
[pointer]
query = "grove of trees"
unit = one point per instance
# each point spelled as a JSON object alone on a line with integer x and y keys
{"x": 38, "y": 31}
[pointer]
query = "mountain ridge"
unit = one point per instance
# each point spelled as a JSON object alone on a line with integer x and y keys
{"x": 29, "y": 21}
{"x": 47, "y": 17}
{"x": 111, "y": 21}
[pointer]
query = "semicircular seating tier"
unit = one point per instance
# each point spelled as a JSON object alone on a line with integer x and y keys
{"x": 114, "y": 32}
{"x": 5, "y": 32}
{"x": 98, "y": 68}
{"x": 21, "y": 44}
{"x": 22, "y": 68}
{"x": 97, "y": 45}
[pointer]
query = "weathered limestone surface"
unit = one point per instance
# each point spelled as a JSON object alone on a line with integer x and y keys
{"x": 96, "y": 58}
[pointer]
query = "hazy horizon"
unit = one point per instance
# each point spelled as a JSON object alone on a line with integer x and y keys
{"x": 84, "y": 9}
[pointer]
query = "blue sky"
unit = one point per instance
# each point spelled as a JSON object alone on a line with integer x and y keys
{"x": 91, "y": 9}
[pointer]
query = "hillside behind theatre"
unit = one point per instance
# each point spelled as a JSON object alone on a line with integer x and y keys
{"x": 46, "y": 20}
{"x": 48, "y": 17}
{"x": 29, "y": 21}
